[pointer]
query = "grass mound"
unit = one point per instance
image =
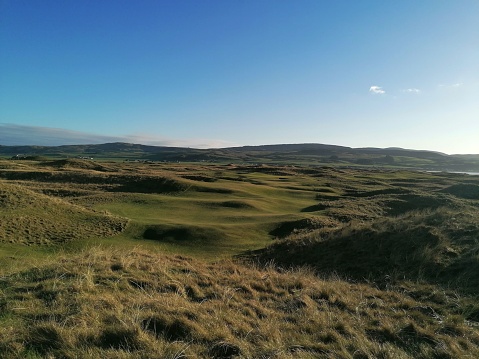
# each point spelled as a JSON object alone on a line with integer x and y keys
{"x": 149, "y": 184}
{"x": 186, "y": 308}
{"x": 286, "y": 229}
{"x": 315, "y": 208}
{"x": 416, "y": 201}
{"x": 436, "y": 245}
{"x": 463, "y": 190}
{"x": 117, "y": 182}
{"x": 200, "y": 178}
{"x": 33, "y": 218}
{"x": 384, "y": 191}
{"x": 76, "y": 164}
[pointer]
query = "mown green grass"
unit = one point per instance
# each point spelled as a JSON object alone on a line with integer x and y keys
{"x": 241, "y": 219}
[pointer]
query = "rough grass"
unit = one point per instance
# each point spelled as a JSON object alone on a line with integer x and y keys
{"x": 463, "y": 190}
{"x": 439, "y": 246}
{"x": 392, "y": 260}
{"x": 33, "y": 218}
{"x": 76, "y": 164}
{"x": 114, "y": 304}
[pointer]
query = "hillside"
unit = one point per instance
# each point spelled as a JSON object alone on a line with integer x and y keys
{"x": 292, "y": 154}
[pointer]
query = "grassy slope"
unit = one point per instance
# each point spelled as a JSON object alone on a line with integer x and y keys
{"x": 439, "y": 246}
{"x": 151, "y": 305}
{"x": 33, "y": 218}
{"x": 357, "y": 224}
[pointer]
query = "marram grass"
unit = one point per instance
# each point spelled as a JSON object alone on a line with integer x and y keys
{"x": 133, "y": 304}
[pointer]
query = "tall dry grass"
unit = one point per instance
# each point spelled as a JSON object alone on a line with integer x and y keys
{"x": 135, "y": 304}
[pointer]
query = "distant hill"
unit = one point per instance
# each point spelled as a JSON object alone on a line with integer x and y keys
{"x": 287, "y": 154}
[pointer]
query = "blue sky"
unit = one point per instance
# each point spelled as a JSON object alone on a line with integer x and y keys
{"x": 240, "y": 72}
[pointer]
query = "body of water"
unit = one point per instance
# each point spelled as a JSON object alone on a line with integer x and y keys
{"x": 468, "y": 173}
{"x": 458, "y": 172}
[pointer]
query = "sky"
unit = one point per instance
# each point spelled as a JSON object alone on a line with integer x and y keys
{"x": 220, "y": 73}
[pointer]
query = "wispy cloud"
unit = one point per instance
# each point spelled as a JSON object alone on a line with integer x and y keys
{"x": 377, "y": 90}
{"x": 19, "y": 135}
{"x": 412, "y": 91}
{"x": 451, "y": 86}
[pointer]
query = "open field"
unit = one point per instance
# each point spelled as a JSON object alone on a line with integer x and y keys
{"x": 162, "y": 260}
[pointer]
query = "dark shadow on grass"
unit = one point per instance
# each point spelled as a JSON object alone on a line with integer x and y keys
{"x": 43, "y": 339}
{"x": 224, "y": 350}
{"x": 285, "y": 229}
{"x": 119, "y": 338}
{"x": 315, "y": 208}
{"x": 171, "y": 331}
{"x": 466, "y": 191}
{"x": 182, "y": 234}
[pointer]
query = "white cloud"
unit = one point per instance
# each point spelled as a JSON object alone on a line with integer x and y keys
{"x": 19, "y": 135}
{"x": 377, "y": 90}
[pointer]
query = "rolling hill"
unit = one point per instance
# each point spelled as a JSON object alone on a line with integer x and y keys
{"x": 293, "y": 154}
